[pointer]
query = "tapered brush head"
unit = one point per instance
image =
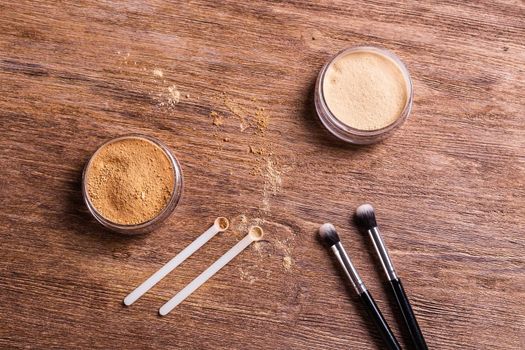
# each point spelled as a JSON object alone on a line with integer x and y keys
{"x": 329, "y": 234}
{"x": 365, "y": 217}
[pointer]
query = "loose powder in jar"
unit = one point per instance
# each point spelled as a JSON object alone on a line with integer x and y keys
{"x": 365, "y": 90}
{"x": 130, "y": 181}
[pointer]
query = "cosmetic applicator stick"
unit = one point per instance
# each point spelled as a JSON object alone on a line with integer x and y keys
{"x": 221, "y": 224}
{"x": 255, "y": 233}
{"x": 366, "y": 220}
{"x": 330, "y": 236}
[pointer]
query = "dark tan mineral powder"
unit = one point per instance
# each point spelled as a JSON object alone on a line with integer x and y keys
{"x": 130, "y": 181}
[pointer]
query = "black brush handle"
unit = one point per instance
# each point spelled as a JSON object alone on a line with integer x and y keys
{"x": 408, "y": 314}
{"x": 380, "y": 322}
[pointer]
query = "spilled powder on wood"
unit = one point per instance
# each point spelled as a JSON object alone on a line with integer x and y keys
{"x": 173, "y": 95}
{"x": 247, "y": 276}
{"x": 273, "y": 179}
{"x": 262, "y": 120}
{"x": 158, "y": 73}
{"x": 255, "y": 120}
{"x": 249, "y": 117}
{"x": 237, "y": 111}
{"x": 287, "y": 262}
{"x": 217, "y": 118}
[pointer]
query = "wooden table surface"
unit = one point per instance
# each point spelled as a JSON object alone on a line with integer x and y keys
{"x": 228, "y": 87}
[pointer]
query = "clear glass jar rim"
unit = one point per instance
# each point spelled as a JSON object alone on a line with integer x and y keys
{"x": 175, "y": 196}
{"x": 406, "y": 75}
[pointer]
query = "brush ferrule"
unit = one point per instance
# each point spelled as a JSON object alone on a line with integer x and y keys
{"x": 349, "y": 268}
{"x": 382, "y": 252}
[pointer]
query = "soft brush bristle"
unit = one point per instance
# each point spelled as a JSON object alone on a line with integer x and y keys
{"x": 365, "y": 217}
{"x": 329, "y": 234}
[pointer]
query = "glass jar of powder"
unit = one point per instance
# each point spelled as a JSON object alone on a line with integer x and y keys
{"x": 362, "y": 94}
{"x": 132, "y": 183}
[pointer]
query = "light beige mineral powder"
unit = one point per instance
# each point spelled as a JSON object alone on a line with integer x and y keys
{"x": 365, "y": 90}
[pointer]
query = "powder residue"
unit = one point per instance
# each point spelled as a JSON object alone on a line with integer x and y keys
{"x": 217, "y": 118}
{"x": 365, "y": 90}
{"x": 249, "y": 117}
{"x": 287, "y": 262}
{"x": 254, "y": 119}
{"x": 130, "y": 181}
{"x": 273, "y": 177}
{"x": 173, "y": 95}
{"x": 245, "y": 275}
{"x": 158, "y": 73}
{"x": 242, "y": 225}
{"x": 238, "y": 111}
{"x": 262, "y": 120}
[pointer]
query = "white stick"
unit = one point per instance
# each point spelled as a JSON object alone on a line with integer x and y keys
{"x": 220, "y": 224}
{"x": 255, "y": 234}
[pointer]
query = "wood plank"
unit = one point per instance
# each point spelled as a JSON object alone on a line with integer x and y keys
{"x": 449, "y": 186}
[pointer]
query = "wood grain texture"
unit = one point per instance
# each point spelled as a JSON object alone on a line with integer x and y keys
{"x": 449, "y": 186}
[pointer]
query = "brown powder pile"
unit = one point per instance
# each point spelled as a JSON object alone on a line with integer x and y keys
{"x": 287, "y": 262}
{"x": 262, "y": 119}
{"x": 130, "y": 181}
{"x": 217, "y": 118}
{"x": 365, "y": 90}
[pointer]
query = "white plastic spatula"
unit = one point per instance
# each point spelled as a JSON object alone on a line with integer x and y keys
{"x": 221, "y": 224}
{"x": 255, "y": 233}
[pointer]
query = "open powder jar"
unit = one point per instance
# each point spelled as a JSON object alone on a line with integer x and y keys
{"x": 362, "y": 94}
{"x": 132, "y": 184}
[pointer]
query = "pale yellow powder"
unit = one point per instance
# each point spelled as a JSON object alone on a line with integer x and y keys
{"x": 365, "y": 90}
{"x": 158, "y": 73}
{"x": 173, "y": 95}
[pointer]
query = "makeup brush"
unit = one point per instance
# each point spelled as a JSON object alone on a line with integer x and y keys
{"x": 330, "y": 236}
{"x": 366, "y": 220}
